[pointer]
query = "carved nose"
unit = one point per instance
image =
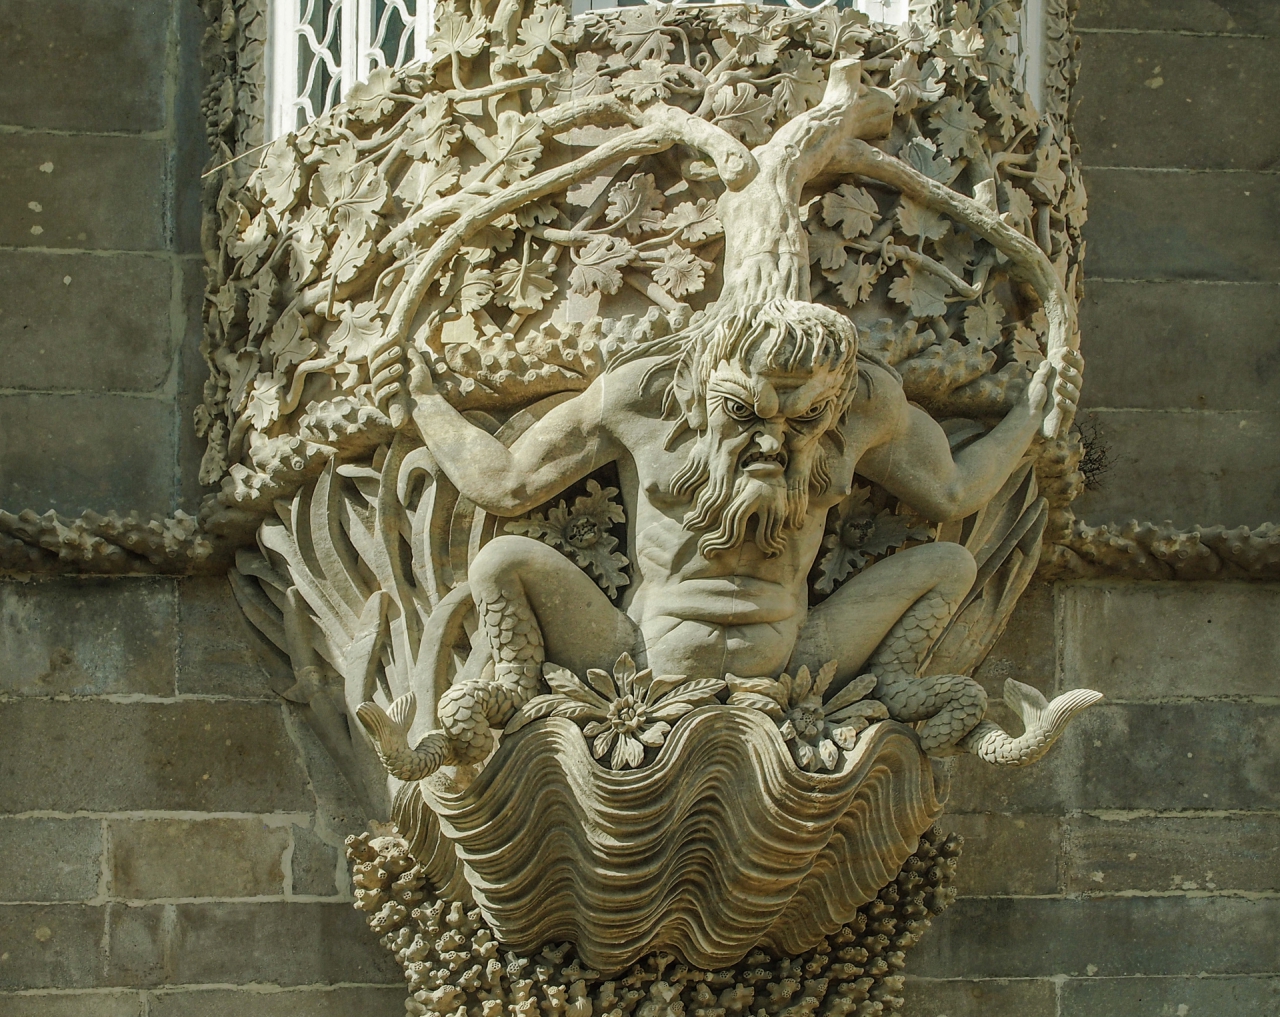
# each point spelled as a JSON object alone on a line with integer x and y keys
{"x": 769, "y": 444}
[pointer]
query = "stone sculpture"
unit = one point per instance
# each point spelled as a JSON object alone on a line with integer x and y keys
{"x": 597, "y": 394}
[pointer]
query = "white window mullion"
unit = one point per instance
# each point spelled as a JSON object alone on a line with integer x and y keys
{"x": 282, "y": 68}
{"x": 1033, "y": 28}
{"x": 423, "y": 21}
{"x": 350, "y": 45}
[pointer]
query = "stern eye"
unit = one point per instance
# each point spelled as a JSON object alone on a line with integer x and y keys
{"x": 739, "y": 410}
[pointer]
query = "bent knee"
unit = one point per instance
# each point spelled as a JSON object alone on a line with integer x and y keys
{"x": 506, "y": 556}
{"x": 946, "y": 564}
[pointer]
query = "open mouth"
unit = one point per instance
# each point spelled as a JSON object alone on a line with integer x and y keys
{"x": 761, "y": 462}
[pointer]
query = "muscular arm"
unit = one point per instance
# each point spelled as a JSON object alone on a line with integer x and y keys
{"x": 564, "y": 446}
{"x": 915, "y": 461}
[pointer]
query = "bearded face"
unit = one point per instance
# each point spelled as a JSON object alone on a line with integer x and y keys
{"x": 753, "y": 464}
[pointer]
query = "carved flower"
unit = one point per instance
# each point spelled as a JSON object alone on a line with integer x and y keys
{"x": 582, "y": 533}
{"x": 814, "y": 730}
{"x": 858, "y": 534}
{"x": 623, "y": 713}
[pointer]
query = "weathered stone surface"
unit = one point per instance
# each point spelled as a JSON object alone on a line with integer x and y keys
{"x": 1234, "y": 852}
{"x": 72, "y": 1004}
{"x": 1026, "y": 651}
{"x": 1209, "y": 468}
{"x": 1006, "y": 855}
{"x": 1151, "y": 640}
{"x": 1153, "y": 225}
{"x": 1028, "y": 938}
{"x": 57, "y": 56}
{"x": 1218, "y": 90}
{"x": 50, "y": 859}
{"x": 196, "y": 858}
{"x": 1176, "y": 345}
{"x": 87, "y": 637}
{"x": 219, "y": 653}
{"x": 100, "y": 193}
{"x": 314, "y": 865}
{"x": 1232, "y": 16}
{"x": 274, "y": 943}
{"x": 50, "y": 946}
{"x": 1048, "y": 789}
{"x": 1156, "y": 997}
{"x": 84, "y": 321}
{"x": 366, "y": 1001}
{"x": 190, "y": 143}
{"x": 80, "y": 452}
{"x": 192, "y": 373}
{"x": 994, "y": 997}
{"x": 1191, "y": 756}
{"x": 114, "y": 757}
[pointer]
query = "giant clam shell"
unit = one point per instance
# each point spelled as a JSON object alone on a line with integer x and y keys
{"x": 721, "y": 844}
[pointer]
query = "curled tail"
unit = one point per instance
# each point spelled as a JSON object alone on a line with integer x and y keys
{"x": 1044, "y": 722}
{"x": 390, "y": 732}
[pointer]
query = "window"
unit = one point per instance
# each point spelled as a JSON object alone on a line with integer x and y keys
{"x": 318, "y": 49}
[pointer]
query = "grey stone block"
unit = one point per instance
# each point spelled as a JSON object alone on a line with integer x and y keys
{"x": 1006, "y": 855}
{"x": 1219, "y": 91}
{"x": 1200, "y": 756}
{"x": 1151, "y": 640}
{"x": 276, "y": 944}
{"x": 993, "y": 997}
{"x": 195, "y": 858}
{"x": 106, "y": 453}
{"x": 1026, "y": 650}
{"x": 50, "y": 859}
{"x": 1157, "y": 997}
{"x": 368, "y": 1001}
{"x": 1153, "y": 225}
{"x": 113, "y": 757}
{"x": 57, "y": 56}
{"x": 1047, "y": 788}
{"x": 1156, "y": 346}
{"x": 336, "y": 804}
{"x": 1239, "y": 16}
{"x": 1209, "y": 468}
{"x": 72, "y": 1004}
{"x": 191, "y": 148}
{"x": 1003, "y": 937}
{"x": 50, "y": 946}
{"x": 314, "y": 865}
{"x": 97, "y": 193}
{"x": 85, "y": 322}
{"x": 1236, "y": 852}
{"x": 219, "y": 653}
{"x": 88, "y": 637}
{"x": 191, "y": 378}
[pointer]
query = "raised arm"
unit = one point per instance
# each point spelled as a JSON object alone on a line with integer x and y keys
{"x": 564, "y": 446}
{"x": 915, "y": 463}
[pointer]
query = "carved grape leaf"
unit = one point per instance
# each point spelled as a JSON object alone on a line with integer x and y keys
{"x": 743, "y": 112}
{"x": 475, "y": 289}
{"x": 635, "y": 204}
{"x": 530, "y": 215}
{"x": 425, "y": 181}
{"x": 523, "y": 286}
{"x": 307, "y": 249}
{"x": 280, "y": 176}
{"x": 251, "y": 245}
{"x": 982, "y": 321}
{"x": 288, "y": 343}
{"x": 455, "y": 36}
{"x": 955, "y": 251}
{"x": 1049, "y": 180}
{"x": 639, "y": 33}
{"x": 852, "y": 209}
{"x": 543, "y": 31}
{"x": 485, "y": 242}
{"x": 696, "y": 222}
{"x": 681, "y": 272}
{"x": 587, "y": 78}
{"x": 1019, "y": 205}
{"x": 354, "y": 193}
{"x": 921, "y": 153}
{"x": 517, "y": 144}
{"x": 1005, "y": 108}
{"x": 757, "y": 34}
{"x": 918, "y": 221}
{"x": 598, "y": 266}
{"x": 922, "y": 291}
{"x": 431, "y": 133}
{"x": 914, "y": 85}
{"x": 264, "y": 400}
{"x": 957, "y": 126}
{"x": 261, "y": 296}
{"x": 854, "y": 280}
{"x": 368, "y": 101}
{"x": 350, "y": 253}
{"x": 801, "y": 83}
{"x": 651, "y": 80}
{"x": 827, "y": 247}
{"x": 359, "y": 329}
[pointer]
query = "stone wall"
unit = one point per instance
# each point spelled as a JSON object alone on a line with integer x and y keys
{"x": 170, "y": 833}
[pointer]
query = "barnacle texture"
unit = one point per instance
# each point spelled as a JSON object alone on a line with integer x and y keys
{"x": 455, "y": 967}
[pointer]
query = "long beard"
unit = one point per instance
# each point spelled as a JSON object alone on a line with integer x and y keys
{"x": 726, "y": 499}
